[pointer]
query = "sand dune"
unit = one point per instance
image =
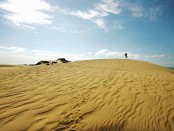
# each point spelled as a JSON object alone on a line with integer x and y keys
{"x": 96, "y": 95}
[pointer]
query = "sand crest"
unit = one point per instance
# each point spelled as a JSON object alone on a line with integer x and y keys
{"x": 95, "y": 95}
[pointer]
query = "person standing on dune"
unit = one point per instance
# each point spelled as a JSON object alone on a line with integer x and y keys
{"x": 126, "y": 55}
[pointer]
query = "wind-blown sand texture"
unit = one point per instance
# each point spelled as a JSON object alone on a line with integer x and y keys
{"x": 96, "y": 95}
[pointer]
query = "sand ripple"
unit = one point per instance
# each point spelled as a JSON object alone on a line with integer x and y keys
{"x": 99, "y": 95}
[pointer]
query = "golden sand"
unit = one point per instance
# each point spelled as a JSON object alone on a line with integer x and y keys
{"x": 96, "y": 95}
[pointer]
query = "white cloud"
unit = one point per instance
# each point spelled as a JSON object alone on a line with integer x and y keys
{"x": 88, "y": 15}
{"x": 101, "y": 10}
{"x": 13, "y": 48}
{"x": 136, "y": 10}
{"x": 60, "y": 28}
{"x": 92, "y": 15}
{"x": 101, "y": 52}
{"x": 117, "y": 25}
{"x": 74, "y": 29}
{"x": 106, "y": 8}
{"x": 1, "y": 47}
{"x": 154, "y": 13}
{"x": 109, "y": 6}
{"x": 115, "y": 54}
{"x": 109, "y": 54}
{"x": 99, "y": 13}
{"x": 170, "y": 57}
{"x": 16, "y": 49}
{"x": 120, "y": 54}
{"x": 24, "y": 12}
{"x": 24, "y": 55}
{"x": 136, "y": 56}
{"x": 155, "y": 56}
{"x": 18, "y": 55}
{"x": 100, "y": 23}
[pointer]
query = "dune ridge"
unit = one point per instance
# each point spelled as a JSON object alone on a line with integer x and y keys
{"x": 93, "y": 95}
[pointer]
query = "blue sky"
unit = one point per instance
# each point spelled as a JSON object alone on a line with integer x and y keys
{"x": 33, "y": 30}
